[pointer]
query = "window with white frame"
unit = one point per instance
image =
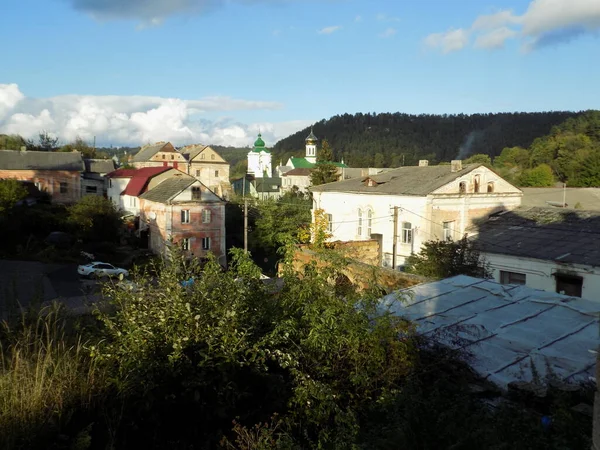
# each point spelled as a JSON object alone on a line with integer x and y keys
{"x": 330, "y": 223}
{"x": 359, "y": 228}
{"x": 205, "y": 243}
{"x": 206, "y": 215}
{"x": 448, "y": 231}
{"x": 185, "y": 216}
{"x": 407, "y": 233}
{"x": 369, "y": 222}
{"x": 185, "y": 244}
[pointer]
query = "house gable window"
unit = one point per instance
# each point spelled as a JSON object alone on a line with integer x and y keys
{"x": 185, "y": 244}
{"x": 185, "y": 216}
{"x": 205, "y": 243}
{"x": 202, "y": 156}
{"x": 216, "y": 173}
{"x": 212, "y": 156}
{"x": 569, "y": 284}
{"x": 512, "y": 277}
{"x": 476, "y": 182}
{"x": 407, "y": 233}
{"x": 64, "y": 188}
{"x": 197, "y": 172}
{"x": 196, "y": 193}
{"x": 462, "y": 187}
{"x": 490, "y": 187}
{"x": 206, "y": 216}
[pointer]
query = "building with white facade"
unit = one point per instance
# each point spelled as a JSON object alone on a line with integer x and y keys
{"x": 430, "y": 202}
{"x": 259, "y": 160}
{"x": 553, "y": 249}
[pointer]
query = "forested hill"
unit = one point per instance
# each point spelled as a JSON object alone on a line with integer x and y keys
{"x": 389, "y": 139}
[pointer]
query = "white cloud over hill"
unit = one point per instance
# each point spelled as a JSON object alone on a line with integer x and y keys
{"x": 136, "y": 120}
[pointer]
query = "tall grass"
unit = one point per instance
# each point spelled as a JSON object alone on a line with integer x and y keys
{"x": 46, "y": 377}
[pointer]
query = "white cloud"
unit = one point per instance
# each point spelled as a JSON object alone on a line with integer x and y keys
{"x": 135, "y": 120}
{"x": 450, "y": 41}
{"x": 494, "y": 39}
{"x": 385, "y": 18}
{"x": 545, "y": 22}
{"x": 329, "y": 30}
{"x": 358, "y": 18}
{"x": 388, "y": 33}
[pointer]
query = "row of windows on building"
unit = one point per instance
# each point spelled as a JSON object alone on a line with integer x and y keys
{"x": 462, "y": 186}
{"x": 565, "y": 284}
{"x": 198, "y": 173}
{"x": 202, "y": 156}
{"x": 206, "y": 216}
{"x": 186, "y": 243}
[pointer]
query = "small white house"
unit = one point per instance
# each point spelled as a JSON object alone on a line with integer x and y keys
{"x": 553, "y": 249}
{"x": 411, "y": 205}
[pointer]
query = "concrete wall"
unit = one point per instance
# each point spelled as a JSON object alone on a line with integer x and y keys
{"x": 115, "y": 187}
{"x": 50, "y": 181}
{"x": 540, "y": 274}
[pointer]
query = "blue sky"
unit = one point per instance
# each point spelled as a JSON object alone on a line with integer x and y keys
{"x": 215, "y": 71}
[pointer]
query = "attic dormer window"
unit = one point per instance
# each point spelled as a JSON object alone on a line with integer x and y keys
{"x": 462, "y": 187}
{"x": 490, "y": 186}
{"x": 371, "y": 182}
{"x": 476, "y": 181}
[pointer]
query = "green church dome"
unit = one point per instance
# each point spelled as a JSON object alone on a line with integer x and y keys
{"x": 259, "y": 143}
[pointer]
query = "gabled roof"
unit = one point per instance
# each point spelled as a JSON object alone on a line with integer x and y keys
{"x": 149, "y": 151}
{"x": 140, "y": 179}
{"x": 409, "y": 180}
{"x": 300, "y": 172}
{"x": 33, "y": 160}
{"x": 553, "y": 234}
{"x": 505, "y": 328}
{"x": 99, "y": 165}
{"x": 168, "y": 189}
{"x": 267, "y": 184}
{"x": 191, "y": 151}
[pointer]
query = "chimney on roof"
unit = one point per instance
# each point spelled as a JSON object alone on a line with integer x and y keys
{"x": 455, "y": 165}
{"x": 423, "y": 163}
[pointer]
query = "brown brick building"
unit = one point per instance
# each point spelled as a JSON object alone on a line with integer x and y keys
{"x": 57, "y": 173}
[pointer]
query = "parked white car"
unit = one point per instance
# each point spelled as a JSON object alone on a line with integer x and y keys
{"x": 101, "y": 269}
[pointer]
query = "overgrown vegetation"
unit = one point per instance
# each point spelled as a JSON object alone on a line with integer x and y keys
{"x": 229, "y": 361}
{"x": 443, "y": 259}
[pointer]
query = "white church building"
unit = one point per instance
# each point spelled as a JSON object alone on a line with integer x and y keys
{"x": 259, "y": 160}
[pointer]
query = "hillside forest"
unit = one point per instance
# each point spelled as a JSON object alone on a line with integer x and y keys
{"x": 529, "y": 149}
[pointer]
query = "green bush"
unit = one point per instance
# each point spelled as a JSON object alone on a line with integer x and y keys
{"x": 540, "y": 176}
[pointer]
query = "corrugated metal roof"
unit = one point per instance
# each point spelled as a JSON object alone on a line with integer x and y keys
{"x": 33, "y": 160}
{"x": 506, "y": 329}
{"x": 168, "y": 189}
{"x": 555, "y": 234}
{"x": 408, "y": 180}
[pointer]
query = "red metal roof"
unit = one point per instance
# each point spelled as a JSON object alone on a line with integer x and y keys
{"x": 139, "y": 178}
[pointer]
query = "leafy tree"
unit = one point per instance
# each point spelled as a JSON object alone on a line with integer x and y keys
{"x": 323, "y": 172}
{"x": 81, "y": 146}
{"x": 12, "y": 142}
{"x": 479, "y": 158}
{"x": 325, "y": 154}
{"x": 513, "y": 157}
{"x": 589, "y": 172}
{"x": 11, "y": 192}
{"x": 281, "y": 220}
{"x": 540, "y": 176}
{"x": 95, "y": 218}
{"x": 443, "y": 259}
{"x": 379, "y": 160}
{"x": 239, "y": 169}
{"x": 46, "y": 142}
{"x": 188, "y": 360}
{"x": 317, "y": 233}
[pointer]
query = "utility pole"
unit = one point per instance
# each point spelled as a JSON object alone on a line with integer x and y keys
{"x": 245, "y": 225}
{"x": 564, "y": 205}
{"x": 395, "y": 243}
